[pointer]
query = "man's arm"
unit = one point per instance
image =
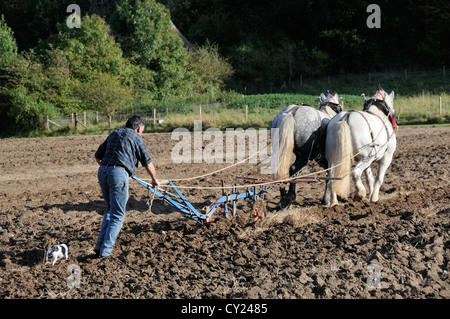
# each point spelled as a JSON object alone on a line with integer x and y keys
{"x": 100, "y": 152}
{"x": 152, "y": 172}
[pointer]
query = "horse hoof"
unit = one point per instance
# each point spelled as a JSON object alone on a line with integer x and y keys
{"x": 285, "y": 202}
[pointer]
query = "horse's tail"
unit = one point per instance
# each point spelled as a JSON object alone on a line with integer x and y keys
{"x": 281, "y": 153}
{"x": 341, "y": 159}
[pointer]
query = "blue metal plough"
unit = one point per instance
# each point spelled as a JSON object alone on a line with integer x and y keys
{"x": 180, "y": 202}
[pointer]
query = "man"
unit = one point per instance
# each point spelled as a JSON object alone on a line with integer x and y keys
{"x": 118, "y": 157}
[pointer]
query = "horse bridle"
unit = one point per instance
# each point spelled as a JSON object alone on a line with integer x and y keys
{"x": 335, "y": 107}
{"x": 383, "y": 107}
{"x": 380, "y": 104}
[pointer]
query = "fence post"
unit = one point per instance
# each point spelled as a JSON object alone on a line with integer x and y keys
{"x": 76, "y": 122}
{"x": 154, "y": 116}
{"x": 200, "y": 111}
{"x": 440, "y": 105}
{"x": 246, "y": 113}
{"x": 48, "y": 124}
{"x": 84, "y": 119}
{"x": 96, "y": 117}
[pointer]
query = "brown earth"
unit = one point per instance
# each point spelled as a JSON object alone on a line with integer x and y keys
{"x": 49, "y": 194}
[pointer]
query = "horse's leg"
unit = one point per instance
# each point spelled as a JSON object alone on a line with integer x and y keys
{"x": 370, "y": 180}
{"x": 282, "y": 192}
{"x": 357, "y": 173}
{"x": 326, "y": 199}
{"x": 384, "y": 164}
{"x": 300, "y": 162}
{"x": 329, "y": 197}
{"x": 289, "y": 197}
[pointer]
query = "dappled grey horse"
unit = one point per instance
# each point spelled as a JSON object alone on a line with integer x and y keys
{"x": 301, "y": 130}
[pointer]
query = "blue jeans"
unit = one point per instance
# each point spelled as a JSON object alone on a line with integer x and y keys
{"x": 113, "y": 182}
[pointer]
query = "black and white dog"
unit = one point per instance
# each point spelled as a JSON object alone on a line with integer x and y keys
{"x": 57, "y": 251}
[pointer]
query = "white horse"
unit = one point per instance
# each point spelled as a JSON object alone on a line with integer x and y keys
{"x": 363, "y": 137}
{"x": 302, "y": 131}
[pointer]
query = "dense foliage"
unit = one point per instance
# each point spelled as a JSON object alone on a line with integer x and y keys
{"x": 127, "y": 53}
{"x": 269, "y": 42}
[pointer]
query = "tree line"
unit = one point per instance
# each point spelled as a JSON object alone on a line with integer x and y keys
{"x": 276, "y": 41}
{"x": 127, "y": 52}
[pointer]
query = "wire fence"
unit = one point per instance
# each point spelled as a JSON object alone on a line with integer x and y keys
{"x": 424, "y": 108}
{"x": 419, "y": 107}
{"x": 85, "y": 120}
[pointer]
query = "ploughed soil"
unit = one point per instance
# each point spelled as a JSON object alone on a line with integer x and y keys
{"x": 398, "y": 247}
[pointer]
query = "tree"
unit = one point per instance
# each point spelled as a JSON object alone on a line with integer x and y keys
{"x": 89, "y": 50}
{"x": 79, "y": 62}
{"x": 23, "y": 107}
{"x": 211, "y": 69}
{"x": 8, "y": 45}
{"x": 105, "y": 94}
{"x": 144, "y": 31}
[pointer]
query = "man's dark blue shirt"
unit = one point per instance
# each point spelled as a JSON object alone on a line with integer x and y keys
{"x": 124, "y": 147}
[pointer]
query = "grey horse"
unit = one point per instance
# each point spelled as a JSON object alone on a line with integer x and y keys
{"x": 302, "y": 130}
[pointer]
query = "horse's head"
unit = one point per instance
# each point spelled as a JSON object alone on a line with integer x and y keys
{"x": 382, "y": 96}
{"x": 384, "y": 102}
{"x": 331, "y": 100}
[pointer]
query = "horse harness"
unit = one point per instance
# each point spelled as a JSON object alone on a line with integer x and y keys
{"x": 335, "y": 107}
{"x": 382, "y": 106}
{"x": 321, "y": 132}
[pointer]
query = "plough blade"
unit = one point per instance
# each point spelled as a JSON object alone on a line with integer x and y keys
{"x": 254, "y": 194}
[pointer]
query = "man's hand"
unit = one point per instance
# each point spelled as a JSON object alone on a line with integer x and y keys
{"x": 155, "y": 183}
{"x": 152, "y": 172}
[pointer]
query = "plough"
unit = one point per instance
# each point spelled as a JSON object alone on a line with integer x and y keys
{"x": 180, "y": 202}
{"x": 256, "y": 192}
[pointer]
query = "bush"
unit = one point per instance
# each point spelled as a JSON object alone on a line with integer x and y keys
{"x": 105, "y": 94}
{"x": 210, "y": 68}
{"x": 27, "y": 112}
{"x": 23, "y": 107}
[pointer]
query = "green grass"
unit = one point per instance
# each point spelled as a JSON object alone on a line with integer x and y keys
{"x": 416, "y": 102}
{"x": 420, "y": 109}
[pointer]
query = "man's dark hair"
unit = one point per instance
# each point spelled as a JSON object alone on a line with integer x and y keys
{"x": 135, "y": 121}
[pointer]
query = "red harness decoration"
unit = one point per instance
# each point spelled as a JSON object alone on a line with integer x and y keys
{"x": 392, "y": 119}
